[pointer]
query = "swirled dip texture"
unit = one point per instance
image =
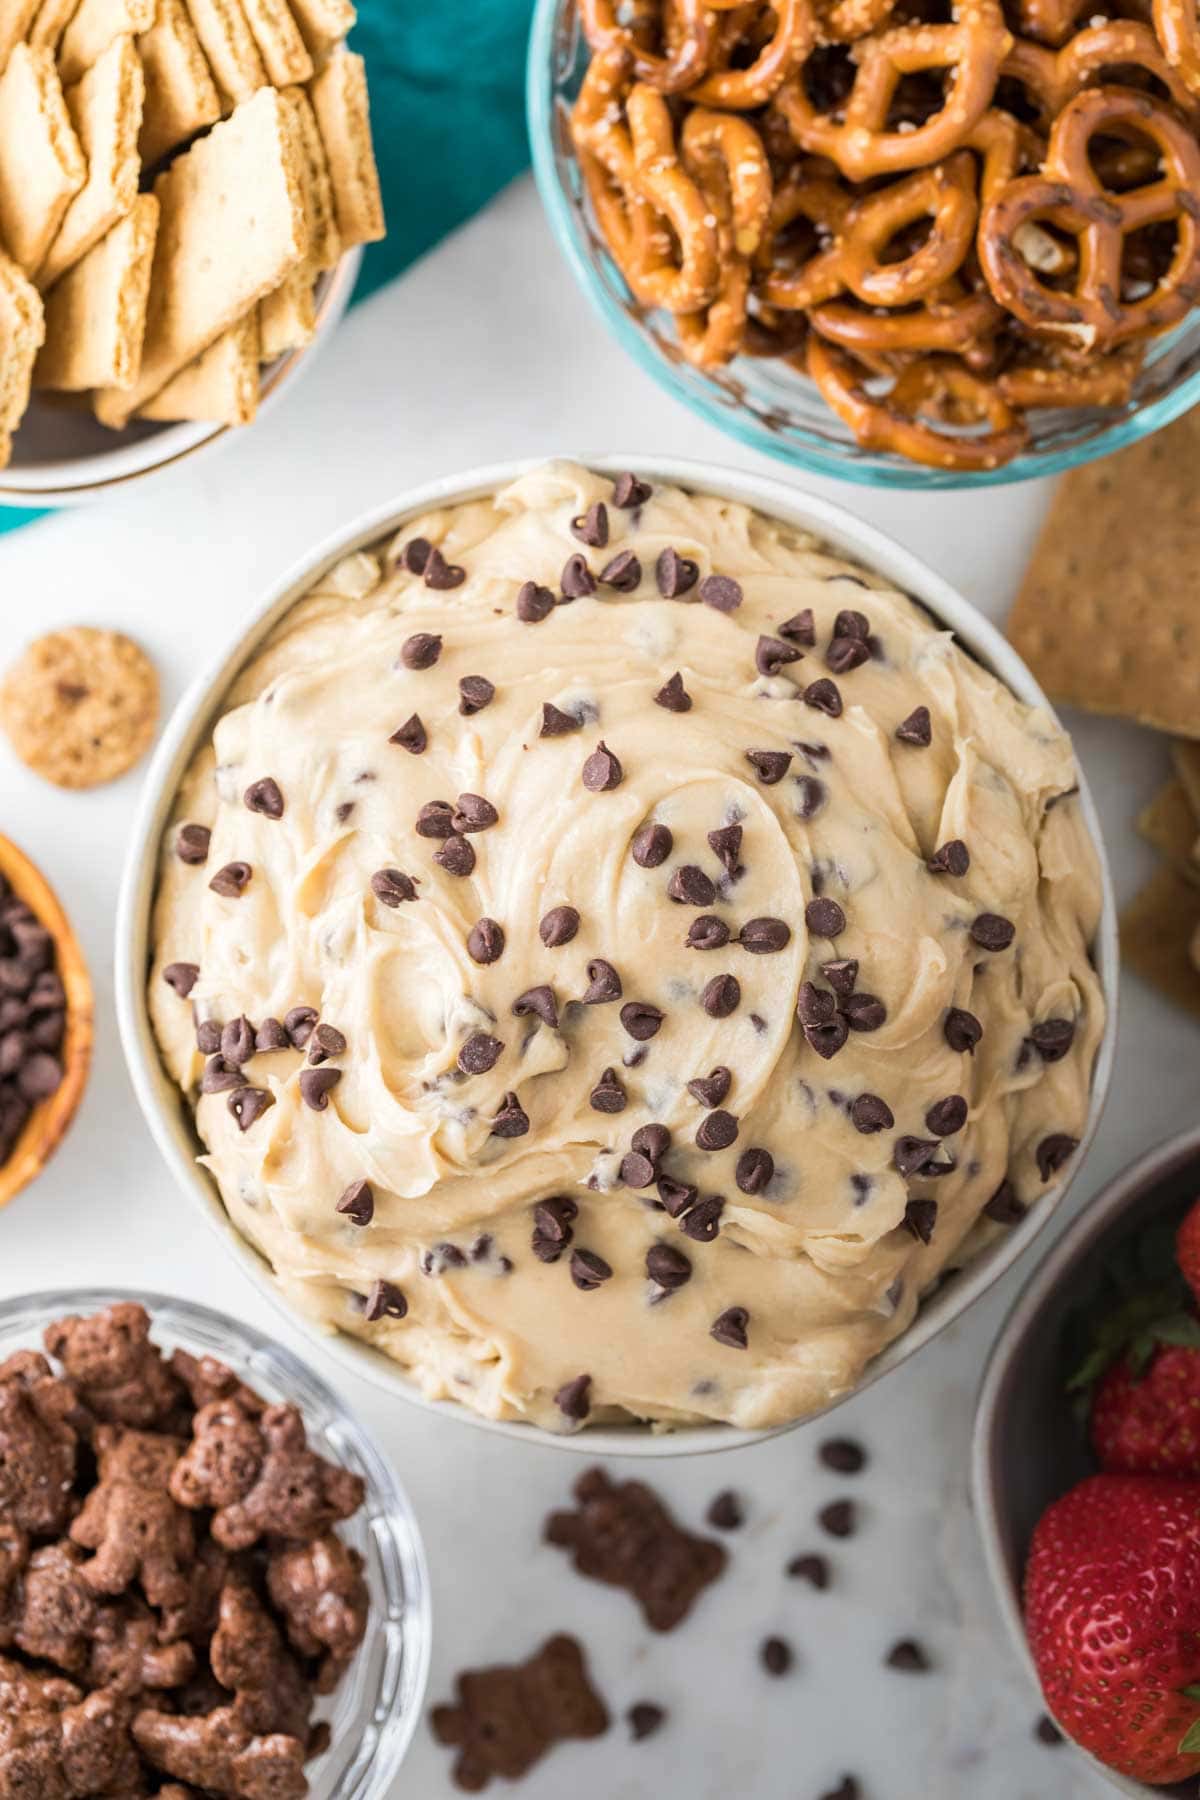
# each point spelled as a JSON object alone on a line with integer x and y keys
{"x": 892, "y": 1026}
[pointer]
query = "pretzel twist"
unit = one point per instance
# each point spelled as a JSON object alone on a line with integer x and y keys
{"x": 1053, "y": 78}
{"x": 933, "y": 389}
{"x": 726, "y": 160}
{"x": 740, "y": 89}
{"x": 1052, "y": 381}
{"x": 684, "y": 63}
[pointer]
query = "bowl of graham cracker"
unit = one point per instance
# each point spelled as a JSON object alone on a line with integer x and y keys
{"x": 185, "y": 188}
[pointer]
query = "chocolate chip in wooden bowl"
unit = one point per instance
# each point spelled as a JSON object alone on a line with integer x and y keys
{"x": 702, "y": 1220}
{"x": 316, "y": 1086}
{"x": 622, "y": 572}
{"x": 576, "y": 581}
{"x": 667, "y": 1267}
{"x": 589, "y": 1271}
{"x": 411, "y": 736}
{"x": 917, "y": 729}
{"x": 574, "y": 1399}
{"x": 1053, "y": 1152}
{"x": 641, "y": 1020}
{"x": 725, "y": 1511}
{"x": 539, "y": 1003}
{"x": 764, "y": 937}
{"x": 1004, "y": 1208}
{"x": 675, "y": 574}
{"x": 602, "y": 770}
{"x": 952, "y": 858}
{"x": 769, "y": 765}
{"x": 474, "y": 693}
{"x": 191, "y": 844}
{"x": 947, "y": 1116}
{"x": 920, "y": 1218}
{"x": 690, "y": 886}
{"x": 839, "y": 1518}
{"x": 721, "y": 592}
{"x": 357, "y": 1203}
{"x": 265, "y": 796}
{"x": 421, "y": 650}
{"x": 961, "y": 1029}
{"x": 755, "y": 1171}
{"x": 651, "y": 846}
{"x": 479, "y": 1053}
{"x": 772, "y": 655}
{"x": 591, "y": 527}
{"x": 909, "y": 1657}
{"x": 992, "y": 931}
{"x": 534, "y": 603}
{"x": 630, "y": 492}
{"x": 811, "y": 1567}
{"x": 726, "y": 845}
{"x": 645, "y": 1718}
{"x": 485, "y": 942}
{"x": 556, "y": 722}
{"x": 608, "y": 1095}
{"x": 776, "y": 1656}
{"x": 512, "y": 1120}
{"x": 732, "y": 1328}
{"x": 392, "y": 887}
{"x": 824, "y": 917}
{"x": 474, "y": 813}
{"x": 800, "y": 628}
{"x": 869, "y": 1113}
{"x": 712, "y": 1088}
{"x": 440, "y": 574}
{"x": 384, "y": 1301}
{"x": 673, "y": 696}
{"x": 823, "y": 696}
{"x": 248, "y": 1104}
{"x": 182, "y": 976}
{"x": 456, "y": 856}
{"x": 1052, "y": 1038}
{"x": 604, "y": 984}
{"x": 558, "y": 926}
{"x": 707, "y": 933}
{"x": 845, "y": 1456}
{"x": 232, "y": 881}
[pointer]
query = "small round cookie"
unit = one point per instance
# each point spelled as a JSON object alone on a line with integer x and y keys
{"x": 80, "y": 706}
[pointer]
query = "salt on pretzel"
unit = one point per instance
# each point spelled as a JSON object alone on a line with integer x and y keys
{"x": 932, "y": 391}
{"x": 660, "y": 178}
{"x": 1051, "y": 78}
{"x": 1178, "y": 29}
{"x": 679, "y": 68}
{"x": 784, "y": 51}
{"x": 725, "y": 158}
{"x": 974, "y": 47}
{"x": 1068, "y": 194}
{"x": 1055, "y": 381}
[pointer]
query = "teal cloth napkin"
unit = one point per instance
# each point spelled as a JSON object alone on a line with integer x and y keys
{"x": 448, "y": 117}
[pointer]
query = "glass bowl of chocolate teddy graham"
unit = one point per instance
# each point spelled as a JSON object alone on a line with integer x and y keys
{"x": 903, "y": 242}
{"x": 210, "y": 1581}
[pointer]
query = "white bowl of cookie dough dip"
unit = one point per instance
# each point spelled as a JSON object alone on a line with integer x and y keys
{"x": 650, "y": 1305}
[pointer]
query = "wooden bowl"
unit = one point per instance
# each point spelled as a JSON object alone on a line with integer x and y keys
{"x": 50, "y": 1118}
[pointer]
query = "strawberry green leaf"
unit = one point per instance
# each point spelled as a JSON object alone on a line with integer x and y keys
{"x": 1192, "y": 1692}
{"x": 1189, "y": 1745}
{"x": 1180, "y": 1328}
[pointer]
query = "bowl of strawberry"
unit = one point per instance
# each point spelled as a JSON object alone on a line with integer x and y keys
{"x": 1086, "y": 1475}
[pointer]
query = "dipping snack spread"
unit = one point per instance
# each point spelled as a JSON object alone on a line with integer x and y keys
{"x": 619, "y": 954}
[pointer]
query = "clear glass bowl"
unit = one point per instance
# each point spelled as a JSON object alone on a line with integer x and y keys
{"x": 761, "y": 401}
{"x": 375, "y": 1711}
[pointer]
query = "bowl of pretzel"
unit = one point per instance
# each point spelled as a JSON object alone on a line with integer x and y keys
{"x": 905, "y": 242}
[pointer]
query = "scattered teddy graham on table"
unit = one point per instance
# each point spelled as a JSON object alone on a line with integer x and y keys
{"x": 168, "y": 1548}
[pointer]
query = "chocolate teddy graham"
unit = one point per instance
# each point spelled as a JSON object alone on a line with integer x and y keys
{"x": 619, "y": 954}
{"x": 173, "y": 1592}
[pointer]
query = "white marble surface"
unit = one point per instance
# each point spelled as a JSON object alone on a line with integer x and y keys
{"x": 485, "y": 351}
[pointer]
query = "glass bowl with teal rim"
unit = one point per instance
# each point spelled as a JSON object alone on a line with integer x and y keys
{"x": 763, "y": 402}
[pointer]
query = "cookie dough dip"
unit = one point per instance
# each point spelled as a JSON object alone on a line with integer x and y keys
{"x": 619, "y": 954}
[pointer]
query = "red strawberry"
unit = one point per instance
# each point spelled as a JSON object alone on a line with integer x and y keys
{"x": 1149, "y": 1423}
{"x": 1112, "y": 1608}
{"x": 1187, "y": 1247}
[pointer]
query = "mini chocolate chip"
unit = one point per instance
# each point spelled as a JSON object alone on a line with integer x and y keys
{"x": 841, "y": 974}
{"x": 474, "y": 693}
{"x": 754, "y": 1171}
{"x": 208, "y": 1036}
{"x": 823, "y": 696}
{"x": 652, "y": 844}
{"x": 731, "y": 1328}
{"x": 849, "y": 624}
{"x": 556, "y": 723}
{"x": 673, "y": 696}
{"x": 726, "y": 845}
{"x": 721, "y": 592}
{"x": 707, "y": 933}
{"x": 721, "y": 996}
{"x": 920, "y": 1217}
{"x": 864, "y": 1012}
{"x": 540, "y": 1003}
{"x": 591, "y": 527}
{"x": 869, "y": 1114}
{"x": 811, "y": 796}
{"x": 824, "y": 918}
{"x": 846, "y": 653}
{"x": 441, "y": 574}
{"x": 558, "y": 926}
{"x": 191, "y": 844}
{"x": 640, "y": 1019}
{"x": 266, "y": 797}
{"x": 576, "y": 580}
{"x": 814, "y": 1006}
{"x": 763, "y": 937}
{"x": 1053, "y": 1152}
{"x": 675, "y": 574}
{"x": 623, "y": 572}
{"x": 717, "y": 1130}
{"x": 512, "y": 1120}
{"x": 588, "y": 1270}
{"x": 947, "y": 1116}
{"x": 839, "y": 1518}
{"x": 474, "y": 813}
{"x": 912, "y": 1154}
{"x": 534, "y": 603}
{"x": 182, "y": 976}
{"x": 421, "y": 650}
{"x": 952, "y": 859}
{"x": 667, "y": 1267}
{"x": 800, "y": 628}
{"x": 725, "y": 1511}
{"x": 232, "y": 881}
{"x": 772, "y": 653}
{"x": 1047, "y": 1732}
{"x": 629, "y": 491}
{"x": 645, "y": 1718}
{"x": 415, "y": 555}
{"x": 676, "y": 1197}
{"x": 1004, "y": 1208}
{"x": 436, "y": 819}
{"x": 480, "y": 1053}
{"x": 218, "y": 1077}
{"x": 843, "y": 1455}
{"x": 813, "y": 1568}
{"x": 392, "y": 887}
{"x": 702, "y": 1220}
{"x": 384, "y": 1301}
{"x": 603, "y": 983}
{"x": 1053, "y": 1038}
{"x": 653, "y": 1140}
{"x": 608, "y": 1096}
{"x": 916, "y": 729}
{"x": 827, "y": 1039}
{"x": 991, "y": 931}
{"x": 712, "y": 1088}
{"x": 456, "y": 856}
{"x": 908, "y": 1656}
{"x": 248, "y": 1104}
{"x": 775, "y": 1654}
{"x": 326, "y": 1041}
{"x": 237, "y": 1041}
{"x": 690, "y": 886}
{"x": 637, "y": 1171}
{"x": 602, "y": 771}
{"x": 961, "y": 1030}
{"x": 411, "y": 735}
{"x": 574, "y": 1398}
{"x": 485, "y": 942}
{"x": 299, "y": 1024}
{"x": 357, "y": 1203}
{"x": 552, "y": 1227}
{"x": 769, "y": 765}
{"x": 315, "y": 1086}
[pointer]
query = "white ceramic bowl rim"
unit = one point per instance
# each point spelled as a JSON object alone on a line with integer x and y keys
{"x": 160, "y": 1099}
